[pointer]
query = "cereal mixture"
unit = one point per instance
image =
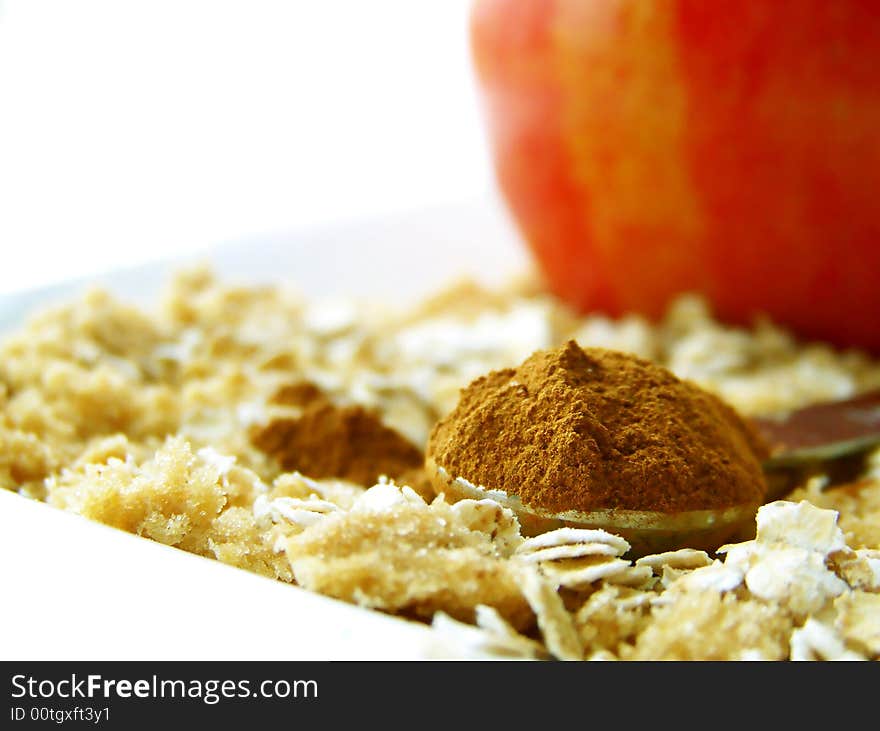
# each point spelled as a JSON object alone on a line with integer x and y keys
{"x": 286, "y": 437}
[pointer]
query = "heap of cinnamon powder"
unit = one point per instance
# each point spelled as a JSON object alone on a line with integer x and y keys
{"x": 575, "y": 429}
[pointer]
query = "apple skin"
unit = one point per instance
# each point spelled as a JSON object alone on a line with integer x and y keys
{"x": 651, "y": 147}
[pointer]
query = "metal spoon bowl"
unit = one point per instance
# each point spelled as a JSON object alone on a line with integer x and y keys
{"x": 646, "y": 531}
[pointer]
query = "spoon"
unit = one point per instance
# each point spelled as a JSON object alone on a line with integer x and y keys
{"x": 822, "y": 437}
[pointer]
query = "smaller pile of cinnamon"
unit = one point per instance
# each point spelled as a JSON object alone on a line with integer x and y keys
{"x": 593, "y": 429}
{"x": 330, "y": 441}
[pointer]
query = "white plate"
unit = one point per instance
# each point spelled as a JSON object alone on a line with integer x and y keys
{"x": 74, "y": 589}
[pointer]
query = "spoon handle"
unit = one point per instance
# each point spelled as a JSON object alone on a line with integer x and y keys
{"x": 823, "y": 431}
{"x": 827, "y": 438}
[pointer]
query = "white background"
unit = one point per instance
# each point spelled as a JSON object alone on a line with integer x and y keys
{"x": 134, "y": 129}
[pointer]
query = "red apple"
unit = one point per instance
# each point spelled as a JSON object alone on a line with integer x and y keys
{"x": 651, "y": 147}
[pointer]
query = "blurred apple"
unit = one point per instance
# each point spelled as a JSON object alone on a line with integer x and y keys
{"x": 650, "y": 147}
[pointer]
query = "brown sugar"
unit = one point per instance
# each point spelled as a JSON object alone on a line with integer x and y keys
{"x": 326, "y": 440}
{"x": 300, "y": 393}
{"x": 593, "y": 429}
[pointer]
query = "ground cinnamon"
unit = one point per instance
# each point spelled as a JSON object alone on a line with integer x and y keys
{"x": 575, "y": 429}
{"x": 326, "y": 440}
